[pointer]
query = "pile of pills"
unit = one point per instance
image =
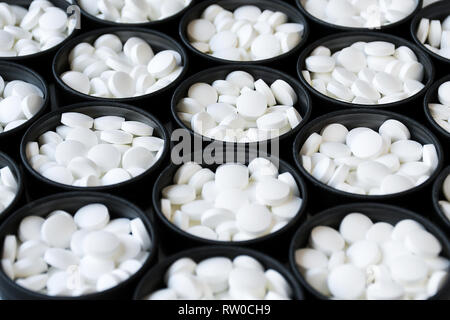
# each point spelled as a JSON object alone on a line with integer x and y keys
{"x": 220, "y": 278}
{"x": 133, "y": 11}
{"x": 24, "y": 32}
{"x": 65, "y": 255}
{"x": 435, "y": 35}
{"x": 363, "y": 161}
{"x": 365, "y": 73}
{"x": 8, "y": 188}
{"x": 441, "y": 111}
{"x": 445, "y": 204}
{"x": 112, "y": 69}
{"x": 373, "y": 261}
{"x": 246, "y": 34}
{"x": 19, "y": 102}
{"x": 236, "y": 203}
{"x": 240, "y": 109}
{"x": 360, "y": 13}
{"x": 87, "y": 152}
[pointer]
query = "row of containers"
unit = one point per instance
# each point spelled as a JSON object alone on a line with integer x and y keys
{"x": 146, "y": 193}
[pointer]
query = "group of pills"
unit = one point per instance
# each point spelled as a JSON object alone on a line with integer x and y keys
{"x": 441, "y": 111}
{"x": 365, "y": 73}
{"x": 65, "y": 255}
{"x": 25, "y": 32}
{"x": 236, "y": 203}
{"x": 8, "y": 188}
{"x": 87, "y": 152}
{"x": 435, "y": 35}
{"x": 246, "y": 34}
{"x": 445, "y": 204}
{"x": 363, "y": 161}
{"x": 19, "y": 102}
{"x": 373, "y": 261}
{"x": 240, "y": 109}
{"x": 112, "y": 69}
{"x": 133, "y": 11}
{"x": 220, "y": 278}
{"x": 360, "y": 13}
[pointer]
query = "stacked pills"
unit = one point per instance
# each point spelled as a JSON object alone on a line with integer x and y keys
{"x": 441, "y": 111}
{"x": 246, "y": 34}
{"x": 65, "y": 255}
{"x": 41, "y": 27}
{"x": 133, "y": 11}
{"x": 373, "y": 261}
{"x": 365, "y": 73}
{"x": 445, "y": 204}
{"x": 360, "y": 13}
{"x": 236, "y": 203}
{"x": 435, "y": 35}
{"x": 19, "y": 102}
{"x": 363, "y": 161}
{"x": 220, "y": 278}
{"x": 8, "y": 188}
{"x": 240, "y": 109}
{"x": 87, "y": 152}
{"x": 112, "y": 69}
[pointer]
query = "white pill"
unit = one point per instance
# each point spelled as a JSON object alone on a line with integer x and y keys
{"x": 203, "y": 93}
{"x": 408, "y": 269}
{"x": 346, "y": 282}
{"x": 57, "y": 230}
{"x": 310, "y": 259}
{"x": 60, "y": 258}
{"x": 254, "y": 219}
{"x": 92, "y": 217}
{"x": 30, "y": 228}
{"x": 364, "y": 253}
{"x": 379, "y": 48}
{"x": 179, "y": 194}
{"x": 354, "y": 227}
{"x": 327, "y": 240}
{"x": 379, "y": 232}
{"x": 320, "y": 64}
{"x": 10, "y": 248}
{"x": 422, "y": 243}
{"x": 352, "y": 59}
{"x": 251, "y": 105}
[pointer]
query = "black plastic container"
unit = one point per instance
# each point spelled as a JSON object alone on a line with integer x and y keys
{"x": 436, "y": 11}
{"x": 6, "y": 161}
{"x": 321, "y": 28}
{"x": 136, "y": 190}
{"x": 283, "y": 61}
{"x": 10, "y": 140}
{"x": 303, "y": 105}
{"x": 154, "y": 279}
{"x": 40, "y": 61}
{"x": 336, "y": 42}
{"x": 71, "y": 202}
{"x": 332, "y": 217}
{"x": 323, "y": 196}
{"x": 168, "y": 25}
{"x": 432, "y": 97}
{"x": 438, "y": 195}
{"x": 156, "y": 103}
{"x": 274, "y": 244}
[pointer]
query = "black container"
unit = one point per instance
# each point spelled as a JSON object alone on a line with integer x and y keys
{"x": 10, "y": 140}
{"x": 168, "y": 25}
{"x": 324, "y": 196}
{"x": 40, "y": 61}
{"x": 336, "y": 42}
{"x": 272, "y": 244}
{"x": 436, "y": 11}
{"x": 156, "y": 103}
{"x": 432, "y": 97}
{"x": 71, "y": 202}
{"x": 6, "y": 161}
{"x": 154, "y": 279}
{"x": 377, "y": 212}
{"x": 283, "y": 61}
{"x": 303, "y": 106}
{"x": 438, "y": 195}
{"x": 134, "y": 189}
{"x": 321, "y": 28}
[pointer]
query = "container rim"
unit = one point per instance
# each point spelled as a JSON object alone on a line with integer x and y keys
{"x": 260, "y": 3}
{"x": 436, "y": 192}
{"x": 137, "y": 31}
{"x": 407, "y": 121}
{"x": 191, "y": 80}
{"x": 82, "y": 105}
{"x": 101, "y": 196}
{"x": 431, "y": 91}
{"x": 381, "y": 36}
{"x": 352, "y": 207}
{"x": 344, "y": 28}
